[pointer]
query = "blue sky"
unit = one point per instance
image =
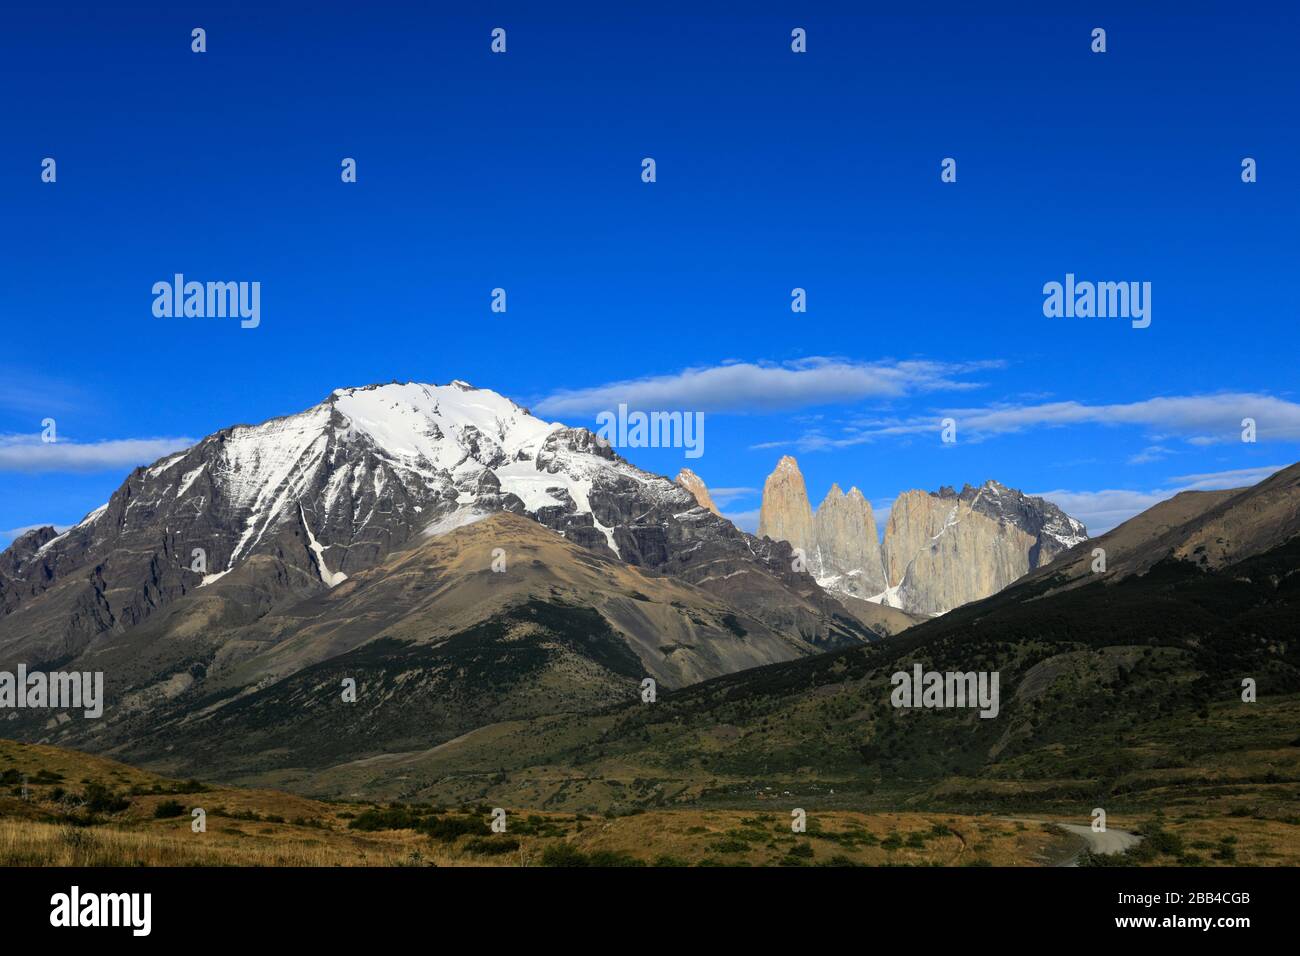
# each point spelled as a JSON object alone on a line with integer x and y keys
{"x": 775, "y": 170}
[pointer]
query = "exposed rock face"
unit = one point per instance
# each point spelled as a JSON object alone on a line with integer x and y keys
{"x": 946, "y": 549}
{"x": 1054, "y": 531}
{"x": 695, "y": 485}
{"x": 941, "y": 549}
{"x": 915, "y": 519}
{"x": 846, "y": 552}
{"x": 293, "y": 507}
{"x": 965, "y": 556}
{"x": 785, "y": 514}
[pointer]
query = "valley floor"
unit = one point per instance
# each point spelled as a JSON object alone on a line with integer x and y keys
{"x": 64, "y": 808}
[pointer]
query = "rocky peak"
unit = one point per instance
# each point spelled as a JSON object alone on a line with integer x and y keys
{"x": 846, "y": 546}
{"x": 695, "y": 485}
{"x": 941, "y": 548}
{"x": 785, "y": 514}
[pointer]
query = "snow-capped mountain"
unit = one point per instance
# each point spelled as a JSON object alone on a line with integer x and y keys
{"x": 303, "y": 501}
{"x": 368, "y": 467}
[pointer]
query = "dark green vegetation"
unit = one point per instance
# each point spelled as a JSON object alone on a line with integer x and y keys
{"x": 422, "y": 819}
{"x": 1119, "y": 694}
{"x": 537, "y": 658}
{"x": 1097, "y": 683}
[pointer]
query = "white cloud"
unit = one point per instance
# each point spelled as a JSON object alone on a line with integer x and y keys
{"x": 27, "y": 453}
{"x": 1236, "y": 478}
{"x": 744, "y": 520}
{"x": 726, "y": 496}
{"x": 1207, "y": 418}
{"x": 1149, "y": 454}
{"x": 1198, "y": 419}
{"x": 1103, "y": 510}
{"x": 881, "y": 513}
{"x": 745, "y": 387}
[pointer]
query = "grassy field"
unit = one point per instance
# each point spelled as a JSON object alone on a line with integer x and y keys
{"x": 64, "y": 808}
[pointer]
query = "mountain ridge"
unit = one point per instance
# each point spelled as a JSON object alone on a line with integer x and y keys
{"x": 941, "y": 549}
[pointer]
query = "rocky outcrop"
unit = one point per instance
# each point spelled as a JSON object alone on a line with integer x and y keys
{"x": 943, "y": 553}
{"x": 695, "y": 485}
{"x": 785, "y": 514}
{"x": 946, "y": 548}
{"x": 846, "y": 547}
{"x": 1053, "y": 530}
{"x": 941, "y": 549}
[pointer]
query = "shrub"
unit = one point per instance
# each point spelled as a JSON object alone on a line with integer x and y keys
{"x": 495, "y": 845}
{"x": 562, "y": 854}
{"x": 449, "y": 829}
{"x": 391, "y": 819}
{"x": 100, "y": 799}
{"x": 169, "y": 808}
{"x": 729, "y": 845}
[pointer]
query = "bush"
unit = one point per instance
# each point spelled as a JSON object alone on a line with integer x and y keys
{"x": 99, "y": 799}
{"x": 449, "y": 829}
{"x": 562, "y": 854}
{"x": 1161, "y": 841}
{"x": 169, "y": 808}
{"x": 729, "y": 845}
{"x": 392, "y": 819}
{"x": 495, "y": 845}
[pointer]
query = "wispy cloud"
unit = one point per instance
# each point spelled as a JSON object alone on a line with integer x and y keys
{"x": 36, "y": 395}
{"x": 725, "y": 496}
{"x": 749, "y": 387}
{"x": 1103, "y": 510}
{"x": 744, "y": 520}
{"x": 1149, "y": 454}
{"x": 27, "y": 453}
{"x": 1197, "y": 419}
{"x": 1235, "y": 478}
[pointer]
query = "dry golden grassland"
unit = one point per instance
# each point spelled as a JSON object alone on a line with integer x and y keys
{"x": 81, "y": 810}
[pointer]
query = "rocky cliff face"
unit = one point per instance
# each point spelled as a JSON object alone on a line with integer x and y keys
{"x": 942, "y": 553}
{"x": 785, "y": 514}
{"x": 695, "y": 485}
{"x": 297, "y": 505}
{"x": 941, "y": 549}
{"x": 1053, "y": 530}
{"x": 846, "y": 547}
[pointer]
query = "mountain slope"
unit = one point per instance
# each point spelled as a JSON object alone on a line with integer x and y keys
{"x": 310, "y": 499}
{"x": 500, "y": 619}
{"x": 1114, "y": 690}
{"x": 1208, "y": 528}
